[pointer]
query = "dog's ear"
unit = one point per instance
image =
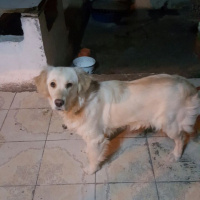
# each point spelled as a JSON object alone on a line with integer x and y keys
{"x": 41, "y": 83}
{"x": 84, "y": 82}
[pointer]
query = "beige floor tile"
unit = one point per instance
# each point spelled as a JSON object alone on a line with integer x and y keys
{"x": 6, "y": 99}
{"x": 179, "y": 191}
{"x": 126, "y": 191}
{"x": 2, "y": 116}
{"x": 16, "y": 193}
{"x": 63, "y": 163}
{"x": 29, "y": 100}
{"x": 187, "y": 169}
{"x": 56, "y": 130}
{"x": 129, "y": 163}
{"x": 25, "y": 125}
{"x": 19, "y": 162}
{"x": 65, "y": 192}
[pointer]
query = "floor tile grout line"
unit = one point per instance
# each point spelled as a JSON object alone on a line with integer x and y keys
{"x": 38, "y": 171}
{"x": 36, "y": 185}
{"x": 100, "y": 183}
{"x": 148, "y": 182}
{"x": 42, "y": 140}
{"x": 178, "y": 181}
{"x": 7, "y": 112}
{"x": 42, "y": 156}
{"x": 62, "y": 184}
{"x": 152, "y": 168}
{"x": 29, "y": 108}
{"x": 4, "y": 120}
{"x": 2, "y": 109}
{"x": 12, "y": 101}
{"x": 95, "y": 180}
{"x": 2, "y": 142}
{"x": 54, "y": 140}
{"x": 5, "y": 186}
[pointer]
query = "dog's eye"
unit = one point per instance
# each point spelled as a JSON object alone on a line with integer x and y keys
{"x": 68, "y": 85}
{"x": 53, "y": 84}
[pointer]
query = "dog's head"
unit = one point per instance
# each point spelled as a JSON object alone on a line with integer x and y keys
{"x": 64, "y": 86}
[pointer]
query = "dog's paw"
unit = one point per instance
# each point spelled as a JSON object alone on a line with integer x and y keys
{"x": 173, "y": 158}
{"x": 91, "y": 169}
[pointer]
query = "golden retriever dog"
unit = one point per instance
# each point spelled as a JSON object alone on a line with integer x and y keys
{"x": 94, "y": 109}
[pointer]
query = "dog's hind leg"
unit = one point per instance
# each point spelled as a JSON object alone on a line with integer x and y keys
{"x": 96, "y": 153}
{"x": 178, "y": 149}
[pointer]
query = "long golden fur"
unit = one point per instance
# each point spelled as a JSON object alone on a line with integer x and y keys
{"x": 92, "y": 109}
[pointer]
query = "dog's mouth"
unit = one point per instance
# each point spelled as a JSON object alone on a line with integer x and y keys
{"x": 60, "y": 108}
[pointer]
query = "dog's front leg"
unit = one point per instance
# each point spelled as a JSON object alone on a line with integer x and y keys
{"x": 96, "y": 153}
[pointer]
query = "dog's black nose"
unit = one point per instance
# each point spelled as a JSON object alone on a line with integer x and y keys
{"x": 59, "y": 102}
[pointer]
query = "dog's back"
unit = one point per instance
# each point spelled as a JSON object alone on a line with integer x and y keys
{"x": 165, "y": 102}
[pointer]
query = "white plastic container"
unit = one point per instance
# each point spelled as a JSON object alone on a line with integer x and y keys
{"x": 85, "y": 62}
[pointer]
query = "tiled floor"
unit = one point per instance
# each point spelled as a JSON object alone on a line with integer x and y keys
{"x": 40, "y": 160}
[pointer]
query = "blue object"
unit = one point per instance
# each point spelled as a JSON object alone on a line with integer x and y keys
{"x": 107, "y": 16}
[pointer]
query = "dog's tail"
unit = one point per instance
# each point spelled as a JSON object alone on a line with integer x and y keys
{"x": 198, "y": 89}
{"x": 192, "y": 111}
{"x": 197, "y": 124}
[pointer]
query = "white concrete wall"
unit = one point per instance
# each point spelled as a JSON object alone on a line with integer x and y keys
{"x": 23, "y": 57}
{"x": 20, "y": 61}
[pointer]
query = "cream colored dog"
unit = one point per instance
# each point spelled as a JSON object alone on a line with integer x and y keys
{"x": 94, "y": 109}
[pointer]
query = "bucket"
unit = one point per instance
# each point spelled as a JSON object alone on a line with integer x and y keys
{"x": 86, "y": 63}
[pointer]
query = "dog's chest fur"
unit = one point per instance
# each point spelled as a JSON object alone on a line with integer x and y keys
{"x": 72, "y": 120}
